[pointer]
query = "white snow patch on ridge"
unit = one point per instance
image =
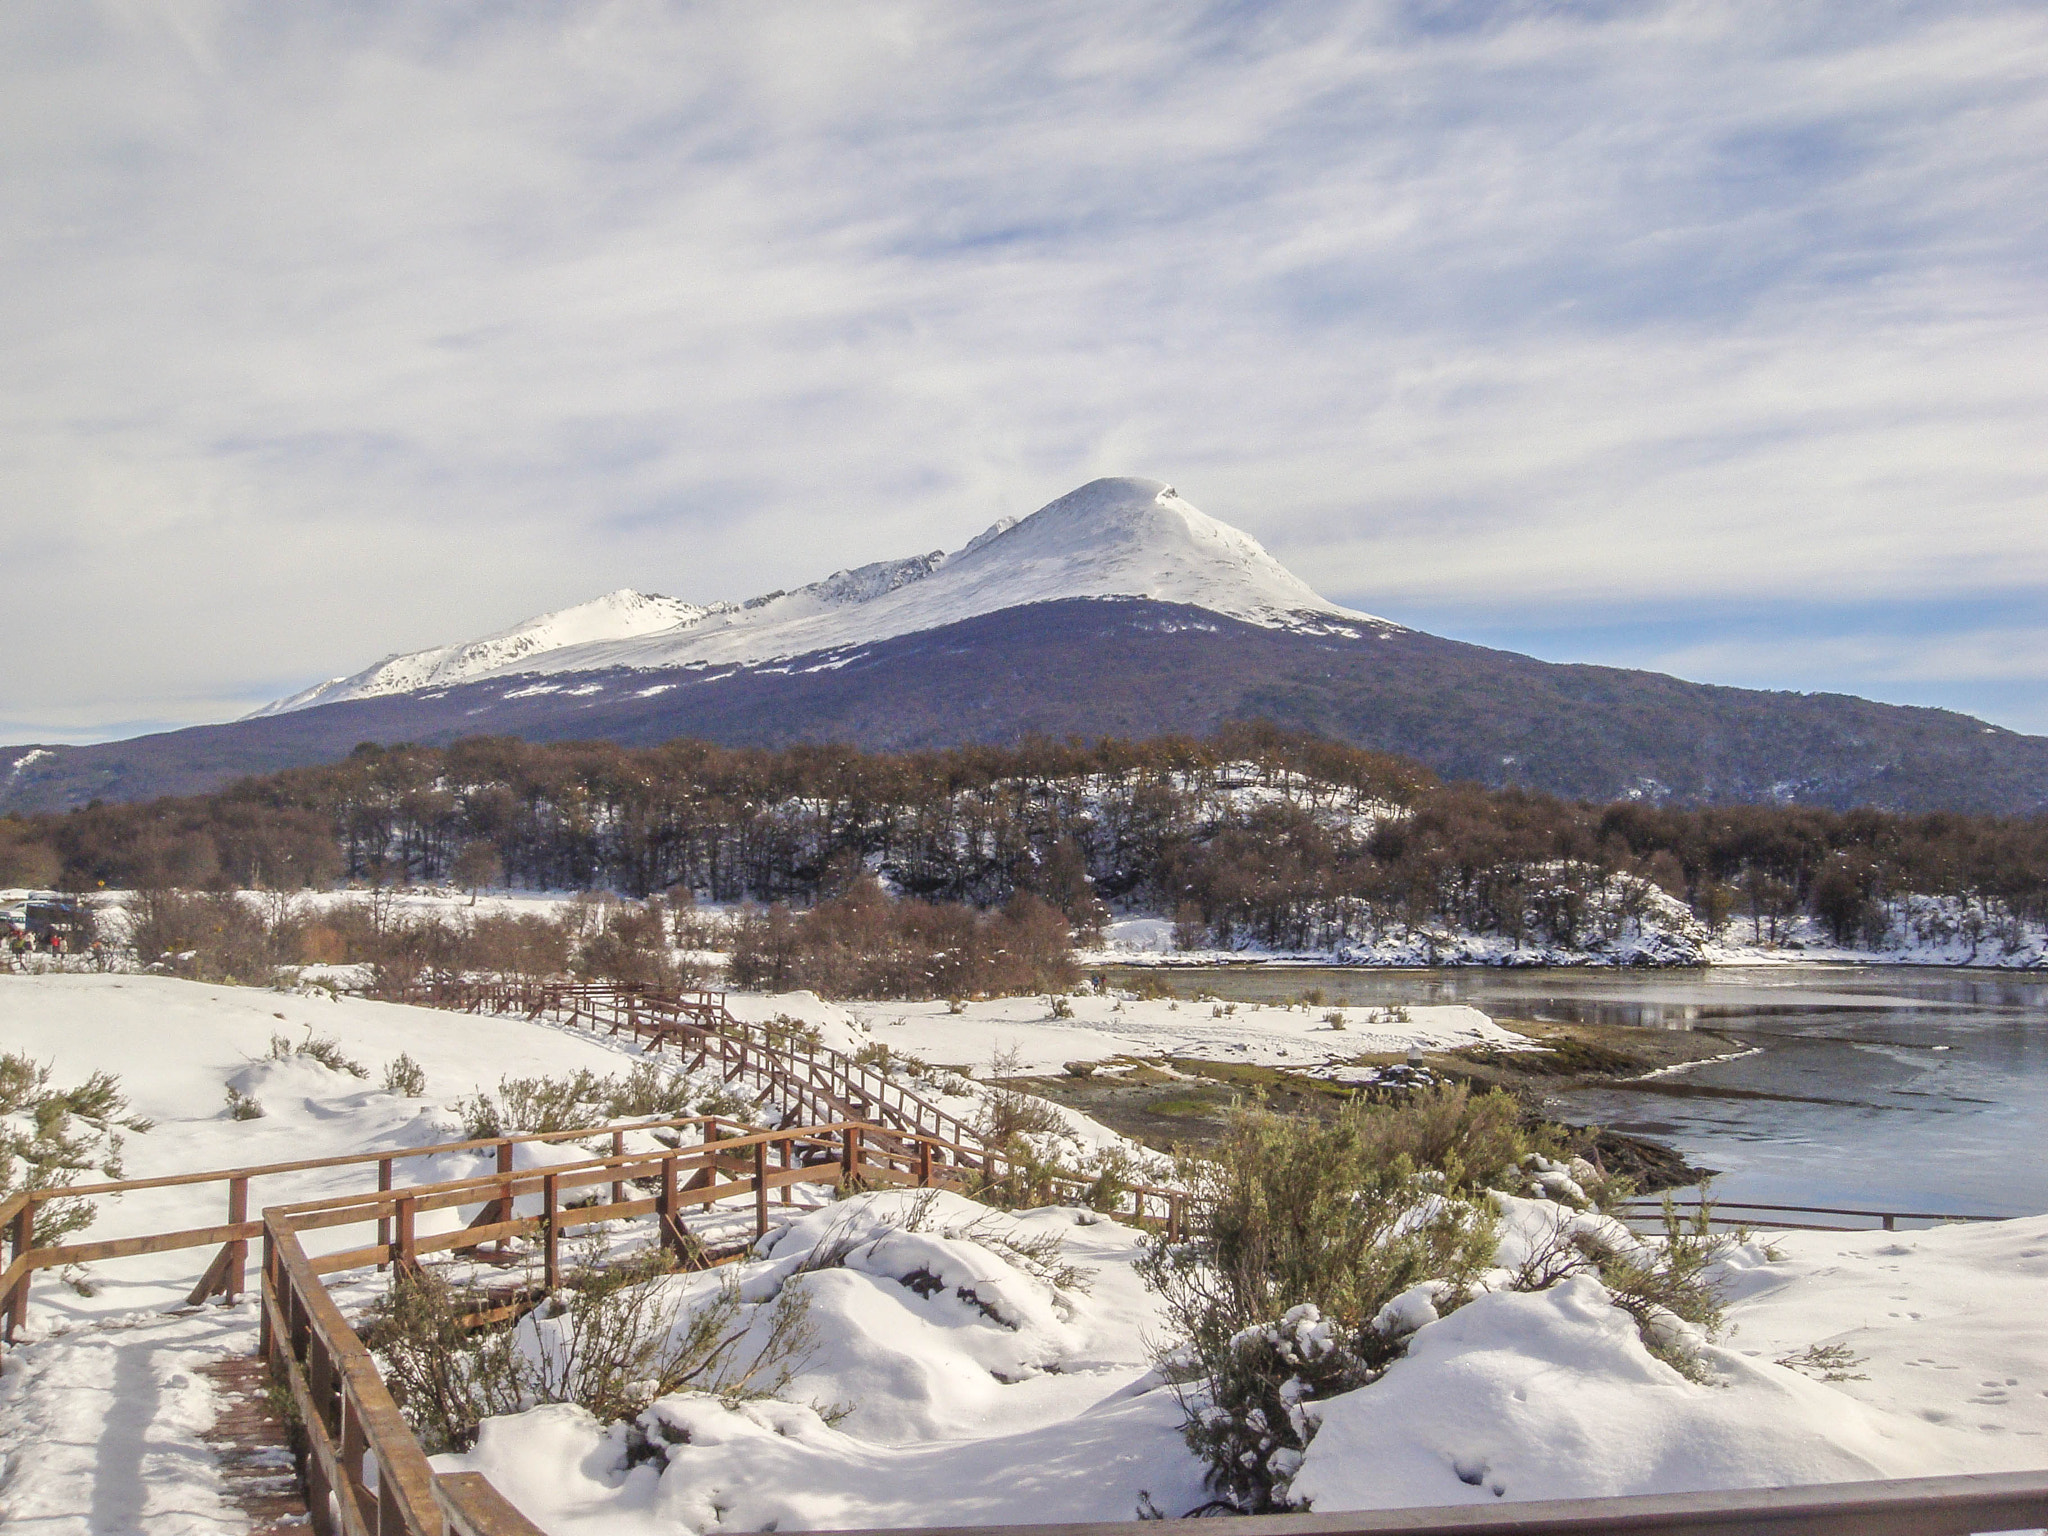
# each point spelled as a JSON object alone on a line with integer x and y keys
{"x": 615, "y": 616}
{"x": 1112, "y": 538}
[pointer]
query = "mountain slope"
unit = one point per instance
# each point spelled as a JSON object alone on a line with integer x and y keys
{"x": 1110, "y": 538}
{"x": 1137, "y": 667}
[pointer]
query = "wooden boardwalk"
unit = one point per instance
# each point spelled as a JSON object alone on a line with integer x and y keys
{"x": 252, "y": 1441}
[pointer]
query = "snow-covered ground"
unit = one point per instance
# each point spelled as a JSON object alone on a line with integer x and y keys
{"x": 176, "y": 1047}
{"x": 982, "y": 1388}
{"x": 1049, "y": 1411}
{"x": 1031, "y": 1036}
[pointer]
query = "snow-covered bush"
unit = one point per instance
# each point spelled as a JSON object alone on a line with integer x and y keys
{"x": 1667, "y": 1284}
{"x": 405, "y": 1077}
{"x": 1307, "y": 1231}
{"x": 49, "y": 1136}
{"x": 612, "y": 1340}
{"x": 1322, "y": 1248}
{"x": 545, "y": 1104}
{"x": 324, "y": 1049}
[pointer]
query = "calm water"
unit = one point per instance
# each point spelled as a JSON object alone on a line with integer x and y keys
{"x": 1920, "y": 1089}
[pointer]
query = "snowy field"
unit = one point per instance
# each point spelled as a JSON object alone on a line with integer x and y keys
{"x": 979, "y": 1390}
{"x": 1031, "y": 1034}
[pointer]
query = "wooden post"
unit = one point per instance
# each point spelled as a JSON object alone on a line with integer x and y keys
{"x": 665, "y": 1204}
{"x": 849, "y": 1155}
{"x": 924, "y": 1163}
{"x": 264, "y": 1342}
{"x": 22, "y": 1238}
{"x": 403, "y": 1252}
{"x": 760, "y": 1188}
{"x": 354, "y": 1443}
{"x": 550, "y": 1208}
{"x": 319, "y": 1512}
{"x": 504, "y": 1211}
{"x": 383, "y": 1222}
{"x": 618, "y": 1150}
{"x": 238, "y": 1248}
{"x": 788, "y": 1146}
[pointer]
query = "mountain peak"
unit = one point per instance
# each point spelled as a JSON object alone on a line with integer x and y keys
{"x": 1119, "y": 537}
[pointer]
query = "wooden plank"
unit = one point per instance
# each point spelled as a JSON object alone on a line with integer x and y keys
{"x": 1929, "y": 1506}
{"x": 129, "y": 1247}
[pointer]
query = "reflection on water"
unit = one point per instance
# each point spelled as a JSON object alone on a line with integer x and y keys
{"x": 1922, "y": 1089}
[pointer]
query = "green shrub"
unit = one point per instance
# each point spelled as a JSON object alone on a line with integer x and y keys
{"x": 405, "y": 1077}
{"x": 67, "y": 1132}
{"x": 324, "y": 1049}
{"x": 1304, "y": 1231}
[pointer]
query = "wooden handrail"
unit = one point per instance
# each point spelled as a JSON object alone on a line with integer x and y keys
{"x": 1642, "y": 1207}
{"x": 821, "y": 1071}
{"x": 1915, "y": 1506}
{"x": 885, "y": 1155}
{"x": 352, "y": 1424}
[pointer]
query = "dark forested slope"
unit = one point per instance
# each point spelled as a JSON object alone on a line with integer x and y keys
{"x": 1134, "y": 668}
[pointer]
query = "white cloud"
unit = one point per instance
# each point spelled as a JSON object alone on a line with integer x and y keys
{"x": 327, "y": 330}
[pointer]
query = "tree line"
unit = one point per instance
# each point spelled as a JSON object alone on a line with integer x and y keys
{"x": 1254, "y": 833}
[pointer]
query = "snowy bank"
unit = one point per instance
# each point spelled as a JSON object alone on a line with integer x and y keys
{"x": 1025, "y": 1404}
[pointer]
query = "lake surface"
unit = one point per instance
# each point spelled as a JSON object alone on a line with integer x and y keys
{"x": 1898, "y": 1088}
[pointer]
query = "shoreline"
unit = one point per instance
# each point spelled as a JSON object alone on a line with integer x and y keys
{"x": 1094, "y": 961}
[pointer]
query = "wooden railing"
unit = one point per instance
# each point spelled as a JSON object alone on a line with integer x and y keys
{"x": 814, "y": 1082}
{"x": 1730, "y": 1215}
{"x": 365, "y": 1472}
{"x": 226, "y": 1275}
{"x": 1916, "y": 1506}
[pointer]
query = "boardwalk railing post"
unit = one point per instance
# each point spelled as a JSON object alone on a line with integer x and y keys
{"x": 403, "y": 1254}
{"x": 383, "y": 1222}
{"x": 238, "y": 1247}
{"x": 665, "y": 1205}
{"x": 550, "y": 1209}
{"x": 618, "y": 1150}
{"x": 22, "y": 1237}
{"x": 760, "y": 1188}
{"x": 924, "y": 1163}
{"x": 264, "y": 1343}
{"x": 504, "y": 1210}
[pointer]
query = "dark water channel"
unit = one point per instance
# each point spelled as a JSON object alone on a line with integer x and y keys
{"x": 1890, "y": 1087}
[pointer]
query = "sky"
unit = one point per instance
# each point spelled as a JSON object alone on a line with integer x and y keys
{"x": 1704, "y": 337}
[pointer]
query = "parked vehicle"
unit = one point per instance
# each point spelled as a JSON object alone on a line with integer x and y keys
{"x": 50, "y": 922}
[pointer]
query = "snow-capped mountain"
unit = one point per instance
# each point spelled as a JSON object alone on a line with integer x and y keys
{"x": 1119, "y": 610}
{"x": 1112, "y": 538}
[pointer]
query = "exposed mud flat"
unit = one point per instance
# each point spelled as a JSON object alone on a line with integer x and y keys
{"x": 1184, "y": 1102}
